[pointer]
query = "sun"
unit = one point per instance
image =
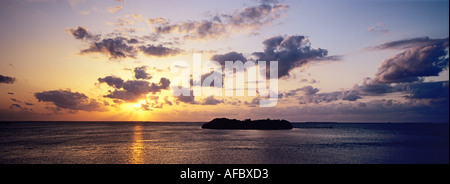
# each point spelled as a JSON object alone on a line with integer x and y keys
{"x": 139, "y": 104}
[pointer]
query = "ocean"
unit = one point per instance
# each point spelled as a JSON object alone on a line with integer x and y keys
{"x": 187, "y": 143}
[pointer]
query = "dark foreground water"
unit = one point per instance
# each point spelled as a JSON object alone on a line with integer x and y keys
{"x": 186, "y": 143}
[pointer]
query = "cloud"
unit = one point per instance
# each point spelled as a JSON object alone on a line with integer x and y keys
{"x": 41, "y": 1}
{"x": 135, "y": 16}
{"x": 167, "y": 101}
{"x": 133, "y": 90}
{"x": 112, "y": 81}
{"x": 116, "y": 48}
{"x": 119, "y": 47}
{"x": 193, "y": 29}
{"x": 290, "y": 52}
{"x": 414, "y": 64}
{"x": 114, "y": 9}
{"x": 190, "y": 99}
{"x": 256, "y": 16}
{"x": 307, "y": 90}
{"x": 158, "y": 50}
{"x": 82, "y": 33}
{"x": 215, "y": 75}
{"x": 330, "y": 58}
{"x": 65, "y": 99}
{"x": 231, "y": 56}
{"x": 122, "y": 22}
{"x": 15, "y": 100}
{"x": 319, "y": 98}
{"x": 157, "y": 20}
{"x": 210, "y": 100}
{"x": 371, "y": 111}
{"x": 141, "y": 73}
{"x": 15, "y": 106}
{"x": 428, "y": 90}
{"x": 378, "y": 28}
{"x": 309, "y": 94}
{"x": 350, "y": 95}
{"x": 74, "y": 3}
{"x": 7, "y": 79}
{"x": 410, "y": 43}
{"x": 150, "y": 103}
{"x": 374, "y": 89}
{"x": 405, "y": 72}
{"x": 254, "y": 102}
{"x": 248, "y": 19}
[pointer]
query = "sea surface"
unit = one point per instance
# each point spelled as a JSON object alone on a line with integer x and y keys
{"x": 187, "y": 143}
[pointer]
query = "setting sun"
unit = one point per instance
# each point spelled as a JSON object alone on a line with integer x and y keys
{"x": 224, "y": 82}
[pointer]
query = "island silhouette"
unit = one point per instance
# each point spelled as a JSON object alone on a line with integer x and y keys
{"x": 264, "y": 124}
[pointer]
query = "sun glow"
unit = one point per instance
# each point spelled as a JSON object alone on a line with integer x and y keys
{"x": 139, "y": 105}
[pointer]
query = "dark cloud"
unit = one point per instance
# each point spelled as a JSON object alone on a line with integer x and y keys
{"x": 190, "y": 99}
{"x": 351, "y": 95}
{"x": 254, "y": 102}
{"x": 158, "y": 50}
{"x": 133, "y": 90}
{"x": 427, "y": 90}
{"x": 307, "y": 90}
{"x": 330, "y": 58}
{"x": 290, "y": 52}
{"x": 376, "y": 89}
{"x": 255, "y": 16}
{"x": 211, "y": 101}
{"x": 193, "y": 29}
{"x": 66, "y": 99}
{"x": 231, "y": 56}
{"x": 15, "y": 106}
{"x": 141, "y": 73}
{"x": 413, "y": 64}
{"x": 164, "y": 83}
{"x": 7, "y": 79}
{"x": 309, "y": 94}
{"x": 112, "y": 81}
{"x": 406, "y": 71}
{"x": 410, "y": 43}
{"x": 116, "y": 48}
{"x": 320, "y": 97}
{"x": 249, "y": 19}
{"x": 28, "y": 103}
{"x": 215, "y": 75}
{"x": 268, "y": 1}
{"x": 133, "y": 41}
{"x": 82, "y": 33}
{"x": 15, "y": 100}
{"x": 430, "y": 93}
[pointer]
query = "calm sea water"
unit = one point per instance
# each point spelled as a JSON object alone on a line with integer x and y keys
{"x": 186, "y": 143}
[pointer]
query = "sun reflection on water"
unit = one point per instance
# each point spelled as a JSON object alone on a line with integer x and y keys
{"x": 137, "y": 156}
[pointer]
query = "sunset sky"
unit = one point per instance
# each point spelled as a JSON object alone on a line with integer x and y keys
{"x": 109, "y": 60}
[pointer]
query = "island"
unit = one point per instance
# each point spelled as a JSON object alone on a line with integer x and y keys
{"x": 266, "y": 124}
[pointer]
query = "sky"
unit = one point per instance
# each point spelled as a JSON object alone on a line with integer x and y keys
{"x": 111, "y": 60}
